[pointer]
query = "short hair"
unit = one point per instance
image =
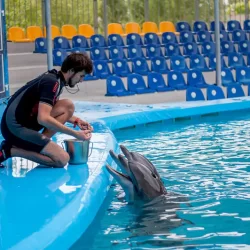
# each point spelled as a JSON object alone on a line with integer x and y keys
{"x": 77, "y": 62}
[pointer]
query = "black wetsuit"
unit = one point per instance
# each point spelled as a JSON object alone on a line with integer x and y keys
{"x": 19, "y": 125}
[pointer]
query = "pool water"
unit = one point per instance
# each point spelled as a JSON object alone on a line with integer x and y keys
{"x": 208, "y": 161}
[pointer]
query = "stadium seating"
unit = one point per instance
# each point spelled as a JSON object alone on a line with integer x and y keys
{"x": 132, "y": 27}
{"x": 227, "y": 77}
{"x": 196, "y": 79}
{"x": 159, "y": 64}
{"x": 34, "y": 32}
{"x": 40, "y": 45}
{"x": 137, "y": 84}
{"x": 176, "y": 80}
{"x": 157, "y": 82}
{"x": 86, "y": 30}
{"x": 235, "y": 90}
{"x": 115, "y": 28}
{"x": 194, "y": 94}
{"x": 115, "y": 87}
{"x": 199, "y": 26}
{"x": 80, "y": 42}
{"x": 69, "y": 31}
{"x": 214, "y": 93}
{"x": 17, "y": 34}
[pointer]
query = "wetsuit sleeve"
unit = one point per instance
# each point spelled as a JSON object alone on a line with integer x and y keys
{"x": 49, "y": 91}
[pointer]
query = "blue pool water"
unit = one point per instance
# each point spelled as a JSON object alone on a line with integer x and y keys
{"x": 208, "y": 161}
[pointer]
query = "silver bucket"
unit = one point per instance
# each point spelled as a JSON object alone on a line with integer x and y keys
{"x": 78, "y": 151}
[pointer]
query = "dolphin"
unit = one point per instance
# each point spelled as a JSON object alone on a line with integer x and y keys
{"x": 139, "y": 177}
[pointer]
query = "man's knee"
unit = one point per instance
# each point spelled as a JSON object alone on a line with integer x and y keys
{"x": 69, "y": 106}
{"x": 64, "y": 106}
{"x": 61, "y": 161}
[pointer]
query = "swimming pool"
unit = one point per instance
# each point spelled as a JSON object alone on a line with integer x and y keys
{"x": 70, "y": 198}
{"x": 206, "y": 160}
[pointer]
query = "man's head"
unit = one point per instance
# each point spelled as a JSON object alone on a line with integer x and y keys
{"x": 75, "y": 67}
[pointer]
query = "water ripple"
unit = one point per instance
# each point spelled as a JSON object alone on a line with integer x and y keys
{"x": 209, "y": 163}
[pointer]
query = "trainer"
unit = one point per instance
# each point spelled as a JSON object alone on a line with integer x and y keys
{"x": 35, "y": 113}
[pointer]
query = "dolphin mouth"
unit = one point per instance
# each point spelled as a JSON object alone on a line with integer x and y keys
{"x": 117, "y": 173}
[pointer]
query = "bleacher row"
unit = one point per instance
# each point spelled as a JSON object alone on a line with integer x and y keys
{"x": 128, "y": 58}
{"x": 18, "y": 34}
{"x": 186, "y": 37}
{"x": 156, "y": 83}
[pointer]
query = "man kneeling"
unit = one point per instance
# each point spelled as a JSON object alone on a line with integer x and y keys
{"x": 36, "y": 106}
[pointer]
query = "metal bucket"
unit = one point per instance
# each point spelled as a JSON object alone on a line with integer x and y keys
{"x": 78, "y": 150}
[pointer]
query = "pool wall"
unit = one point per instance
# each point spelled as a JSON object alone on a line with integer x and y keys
{"x": 52, "y": 208}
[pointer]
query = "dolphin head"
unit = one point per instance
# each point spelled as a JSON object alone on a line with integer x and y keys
{"x": 139, "y": 177}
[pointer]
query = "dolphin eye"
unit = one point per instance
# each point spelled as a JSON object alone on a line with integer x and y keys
{"x": 154, "y": 175}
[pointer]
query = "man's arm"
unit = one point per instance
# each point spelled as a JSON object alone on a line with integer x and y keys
{"x": 45, "y": 119}
{"x": 83, "y": 125}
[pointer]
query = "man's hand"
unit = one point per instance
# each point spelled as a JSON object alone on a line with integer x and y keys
{"x": 83, "y": 135}
{"x": 82, "y": 124}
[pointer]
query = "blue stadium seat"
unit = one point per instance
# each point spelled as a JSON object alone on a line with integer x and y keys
{"x": 101, "y": 69}
{"x": 115, "y": 87}
{"x": 80, "y": 42}
{"x": 243, "y": 75}
{"x": 212, "y": 62}
{"x": 194, "y": 94}
{"x": 246, "y": 25}
{"x": 196, "y": 79}
{"x": 198, "y": 62}
{"x": 97, "y": 41}
{"x": 212, "y": 26}
{"x": 159, "y": 64}
{"x": 235, "y": 60}
{"x": 176, "y": 80}
{"x": 227, "y": 77}
{"x": 172, "y": 49}
{"x": 40, "y": 45}
{"x": 90, "y": 77}
{"x": 248, "y": 59}
{"x": 78, "y": 50}
{"x": 214, "y": 93}
{"x": 235, "y": 90}
{"x": 61, "y": 42}
{"x": 169, "y": 37}
{"x": 187, "y": 37}
{"x": 98, "y": 53}
{"x": 116, "y": 52}
{"x": 115, "y": 40}
{"x": 207, "y": 48}
{"x": 140, "y": 66}
{"x": 134, "y": 38}
{"x": 238, "y": 36}
{"x": 224, "y": 36}
{"x": 183, "y": 26}
{"x": 157, "y": 82}
{"x": 120, "y": 67}
{"x": 244, "y": 47}
{"x": 178, "y": 63}
{"x": 153, "y": 50}
{"x": 151, "y": 38}
{"x": 135, "y": 51}
{"x": 58, "y": 56}
{"x": 204, "y": 36}
{"x": 199, "y": 26}
{"x": 227, "y": 47}
{"x": 190, "y": 49}
{"x": 137, "y": 84}
{"x": 233, "y": 25}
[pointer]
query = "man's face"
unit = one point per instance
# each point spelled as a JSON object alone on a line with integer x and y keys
{"x": 76, "y": 78}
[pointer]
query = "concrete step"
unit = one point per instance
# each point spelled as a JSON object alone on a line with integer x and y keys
{"x": 17, "y": 59}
